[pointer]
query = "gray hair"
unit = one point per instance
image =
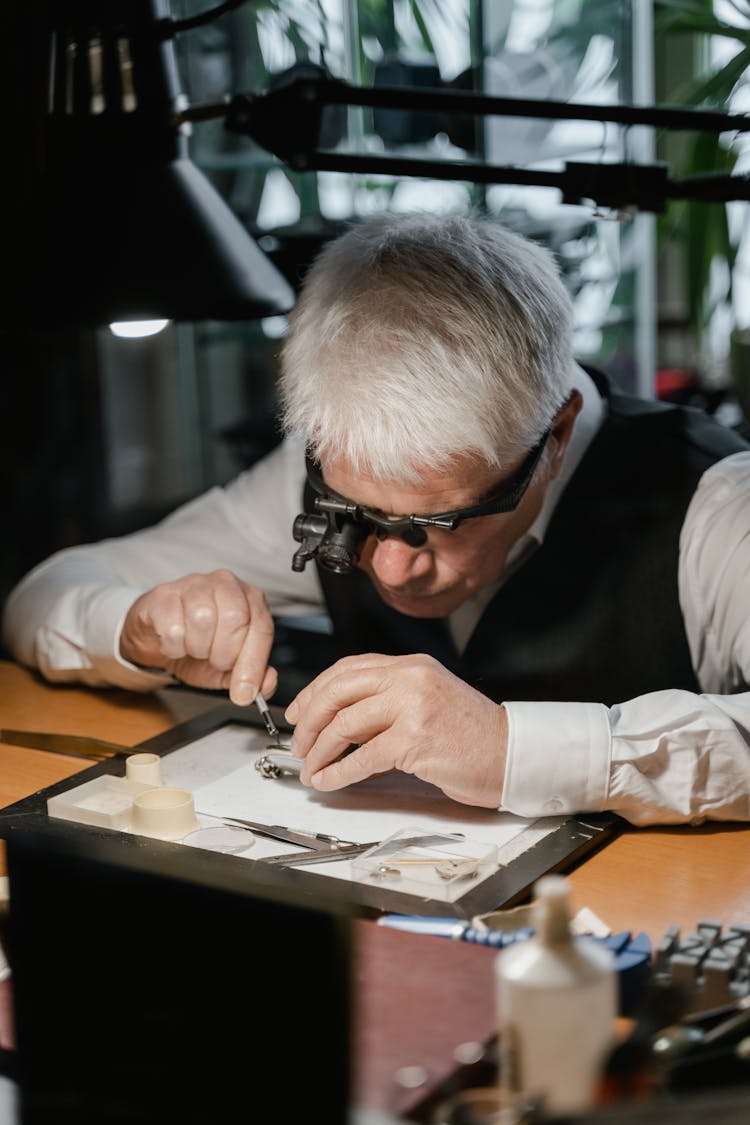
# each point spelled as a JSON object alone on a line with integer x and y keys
{"x": 419, "y": 338}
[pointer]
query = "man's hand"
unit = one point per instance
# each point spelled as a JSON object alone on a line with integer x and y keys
{"x": 209, "y": 630}
{"x": 403, "y": 713}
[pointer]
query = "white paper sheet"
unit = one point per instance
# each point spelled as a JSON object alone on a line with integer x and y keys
{"x": 219, "y": 769}
{"x": 368, "y": 811}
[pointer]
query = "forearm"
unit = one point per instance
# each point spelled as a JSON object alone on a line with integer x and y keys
{"x": 668, "y": 757}
{"x": 64, "y": 619}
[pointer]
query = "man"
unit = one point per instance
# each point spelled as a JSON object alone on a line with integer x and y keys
{"x": 546, "y": 597}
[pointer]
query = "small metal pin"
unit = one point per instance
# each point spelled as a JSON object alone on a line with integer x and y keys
{"x": 386, "y": 872}
{"x": 262, "y": 706}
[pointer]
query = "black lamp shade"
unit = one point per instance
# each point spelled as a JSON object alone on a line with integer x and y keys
{"x": 122, "y": 224}
{"x": 144, "y": 243}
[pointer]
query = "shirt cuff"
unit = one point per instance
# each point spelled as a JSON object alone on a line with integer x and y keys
{"x": 558, "y": 758}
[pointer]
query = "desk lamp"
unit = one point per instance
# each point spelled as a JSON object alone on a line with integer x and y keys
{"x": 117, "y": 222}
{"x": 131, "y": 229}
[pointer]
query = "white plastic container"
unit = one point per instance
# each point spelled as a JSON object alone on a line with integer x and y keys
{"x": 557, "y": 1004}
{"x": 144, "y": 769}
{"x": 164, "y": 813}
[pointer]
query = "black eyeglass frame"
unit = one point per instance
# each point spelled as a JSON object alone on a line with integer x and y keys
{"x": 411, "y": 528}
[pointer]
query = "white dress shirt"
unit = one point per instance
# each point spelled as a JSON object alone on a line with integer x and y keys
{"x": 665, "y": 757}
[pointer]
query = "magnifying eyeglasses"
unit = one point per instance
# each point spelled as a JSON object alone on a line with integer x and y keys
{"x": 334, "y": 533}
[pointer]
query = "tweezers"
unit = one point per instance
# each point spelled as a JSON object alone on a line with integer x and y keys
{"x": 345, "y": 851}
{"x": 319, "y": 842}
{"x": 299, "y": 859}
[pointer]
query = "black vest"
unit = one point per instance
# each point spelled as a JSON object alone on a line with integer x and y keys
{"x": 593, "y": 615}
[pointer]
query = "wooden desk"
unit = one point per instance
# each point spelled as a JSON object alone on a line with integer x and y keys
{"x": 644, "y": 879}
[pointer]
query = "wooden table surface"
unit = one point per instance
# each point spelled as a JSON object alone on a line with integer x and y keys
{"x": 27, "y": 702}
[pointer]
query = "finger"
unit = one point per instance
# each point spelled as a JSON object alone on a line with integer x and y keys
{"x": 313, "y": 690}
{"x": 369, "y": 760}
{"x": 270, "y": 682}
{"x": 233, "y": 621}
{"x": 338, "y": 692}
{"x": 250, "y": 667}
{"x": 198, "y": 673}
{"x": 349, "y": 727}
{"x": 168, "y": 624}
{"x": 345, "y": 664}
{"x": 201, "y": 618}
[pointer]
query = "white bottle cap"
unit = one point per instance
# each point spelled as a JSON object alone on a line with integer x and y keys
{"x": 551, "y": 910}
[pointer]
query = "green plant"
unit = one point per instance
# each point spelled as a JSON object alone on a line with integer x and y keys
{"x": 709, "y": 243}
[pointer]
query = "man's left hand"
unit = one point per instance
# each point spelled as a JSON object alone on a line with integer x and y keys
{"x": 404, "y": 713}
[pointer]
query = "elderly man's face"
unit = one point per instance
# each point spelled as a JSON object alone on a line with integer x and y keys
{"x": 433, "y": 580}
{"x": 436, "y": 578}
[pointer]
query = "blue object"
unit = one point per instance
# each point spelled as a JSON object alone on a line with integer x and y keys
{"x": 633, "y": 954}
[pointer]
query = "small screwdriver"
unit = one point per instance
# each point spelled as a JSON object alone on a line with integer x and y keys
{"x": 271, "y": 727}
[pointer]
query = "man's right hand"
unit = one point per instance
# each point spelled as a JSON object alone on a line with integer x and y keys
{"x": 209, "y": 630}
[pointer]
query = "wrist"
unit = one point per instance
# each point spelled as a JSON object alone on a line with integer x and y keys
{"x": 501, "y": 751}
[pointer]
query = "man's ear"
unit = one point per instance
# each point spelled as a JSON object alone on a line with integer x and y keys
{"x": 562, "y": 431}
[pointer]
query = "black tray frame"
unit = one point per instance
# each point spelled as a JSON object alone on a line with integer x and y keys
{"x": 558, "y": 851}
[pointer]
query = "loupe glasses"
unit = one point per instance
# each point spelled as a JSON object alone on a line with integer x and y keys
{"x": 334, "y": 533}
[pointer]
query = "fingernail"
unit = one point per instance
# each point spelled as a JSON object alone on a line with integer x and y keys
{"x": 244, "y": 693}
{"x": 292, "y": 713}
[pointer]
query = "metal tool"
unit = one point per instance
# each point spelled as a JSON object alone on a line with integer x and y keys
{"x": 75, "y": 745}
{"x": 265, "y": 712}
{"x": 316, "y": 841}
{"x": 278, "y": 760}
{"x": 300, "y": 859}
{"x": 344, "y": 851}
{"x": 83, "y": 745}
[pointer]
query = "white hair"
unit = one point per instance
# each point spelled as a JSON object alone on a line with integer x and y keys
{"x": 419, "y": 338}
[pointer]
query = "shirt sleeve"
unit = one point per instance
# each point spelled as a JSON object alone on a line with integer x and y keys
{"x": 667, "y": 757}
{"x": 64, "y": 618}
{"x": 714, "y": 576}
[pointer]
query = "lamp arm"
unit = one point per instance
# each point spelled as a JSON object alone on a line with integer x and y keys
{"x": 334, "y": 91}
{"x": 316, "y": 88}
{"x": 286, "y": 121}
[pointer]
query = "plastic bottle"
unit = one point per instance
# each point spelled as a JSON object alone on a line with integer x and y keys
{"x": 557, "y": 1003}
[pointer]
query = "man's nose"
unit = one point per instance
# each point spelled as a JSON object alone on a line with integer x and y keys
{"x": 395, "y": 562}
